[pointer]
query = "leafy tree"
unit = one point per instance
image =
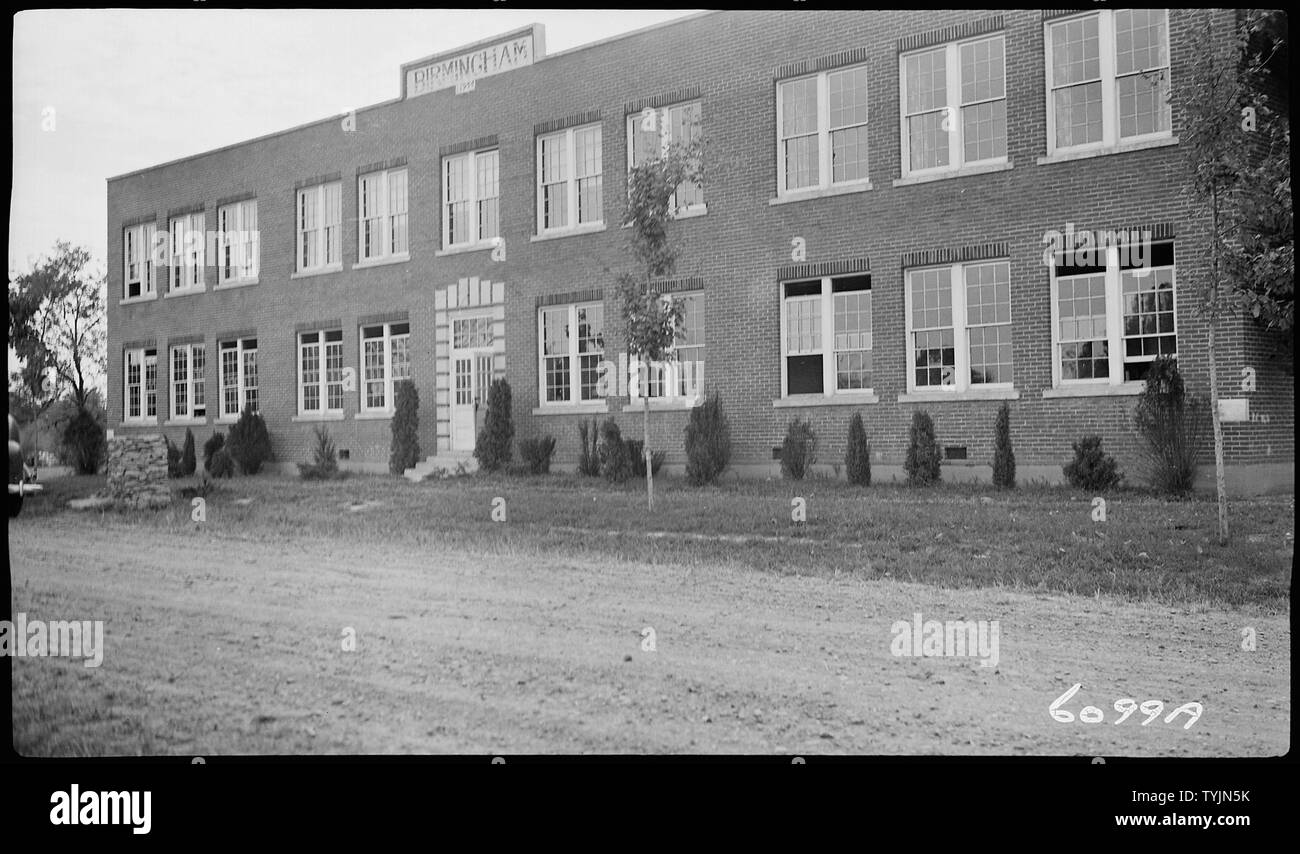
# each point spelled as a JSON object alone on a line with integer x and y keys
{"x": 492, "y": 448}
{"x": 249, "y": 443}
{"x": 653, "y": 323}
{"x": 405, "y": 427}
{"x": 708, "y": 442}
{"x": 923, "y": 454}
{"x": 857, "y": 458}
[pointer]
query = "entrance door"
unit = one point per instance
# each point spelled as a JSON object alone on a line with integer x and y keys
{"x": 471, "y": 376}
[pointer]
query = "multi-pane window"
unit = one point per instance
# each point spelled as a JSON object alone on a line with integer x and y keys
{"x": 822, "y": 130}
{"x": 569, "y": 179}
{"x": 1113, "y": 313}
{"x": 187, "y": 245}
{"x": 1108, "y": 77}
{"x": 471, "y": 332}
{"x": 237, "y": 244}
{"x": 572, "y": 339}
{"x": 683, "y": 376}
{"x": 188, "y": 387}
{"x": 320, "y": 372}
{"x": 319, "y": 214}
{"x": 826, "y": 336}
{"x": 653, "y": 134}
{"x": 238, "y": 369}
{"x": 381, "y": 215}
{"x": 472, "y": 198}
{"x": 385, "y": 360}
{"x": 138, "y": 244}
{"x": 141, "y": 385}
{"x": 959, "y": 327}
{"x": 954, "y": 105}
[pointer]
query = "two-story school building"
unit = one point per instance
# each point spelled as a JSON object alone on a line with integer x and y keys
{"x": 941, "y": 210}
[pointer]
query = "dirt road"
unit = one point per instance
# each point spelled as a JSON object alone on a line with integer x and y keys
{"x": 216, "y": 645}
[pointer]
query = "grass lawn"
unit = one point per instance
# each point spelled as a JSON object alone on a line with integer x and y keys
{"x": 956, "y": 535}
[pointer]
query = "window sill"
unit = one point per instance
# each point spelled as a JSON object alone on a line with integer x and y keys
{"x": 186, "y": 422}
{"x": 308, "y": 419}
{"x": 573, "y": 408}
{"x": 134, "y": 300}
{"x": 567, "y": 232}
{"x": 377, "y": 415}
{"x": 677, "y": 404}
{"x": 184, "y": 292}
{"x": 481, "y": 246}
{"x": 382, "y": 262}
{"x": 321, "y": 271}
{"x": 971, "y": 394}
{"x": 127, "y": 425}
{"x": 226, "y": 419}
{"x": 804, "y": 195}
{"x": 231, "y": 284}
{"x": 1066, "y": 156}
{"x": 1097, "y": 390}
{"x": 845, "y": 399}
{"x": 965, "y": 171}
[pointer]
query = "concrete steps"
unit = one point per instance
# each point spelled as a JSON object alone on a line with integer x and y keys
{"x": 452, "y": 463}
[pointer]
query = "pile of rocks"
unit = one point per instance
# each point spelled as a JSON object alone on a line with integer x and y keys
{"x": 137, "y": 471}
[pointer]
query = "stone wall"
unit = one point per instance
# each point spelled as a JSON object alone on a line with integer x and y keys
{"x": 137, "y": 471}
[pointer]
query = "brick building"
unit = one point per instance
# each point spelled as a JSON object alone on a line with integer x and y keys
{"x": 872, "y": 234}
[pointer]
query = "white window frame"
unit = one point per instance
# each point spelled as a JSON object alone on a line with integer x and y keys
{"x": 316, "y": 196}
{"x": 960, "y": 328}
{"x": 570, "y": 181}
{"x": 239, "y": 238}
{"x": 825, "y": 159}
{"x": 192, "y": 380}
{"x": 321, "y": 346}
{"x": 574, "y": 355}
{"x": 187, "y": 259}
{"x": 391, "y": 249}
{"x": 139, "y": 245}
{"x": 1110, "y": 138}
{"x": 472, "y": 200}
{"x": 952, "y": 108}
{"x": 1115, "y": 350}
{"x": 676, "y": 395}
{"x": 390, "y": 404}
{"x": 825, "y": 298}
{"x": 664, "y": 127}
{"x": 242, "y": 386}
{"x": 147, "y": 356}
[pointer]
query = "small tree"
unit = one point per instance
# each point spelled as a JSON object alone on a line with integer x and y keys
{"x": 405, "y": 451}
{"x": 188, "y": 462}
{"x": 923, "y": 454}
{"x": 215, "y": 443}
{"x": 173, "y": 459}
{"x": 1004, "y": 459}
{"x": 84, "y": 442}
{"x": 708, "y": 442}
{"x": 589, "y": 458}
{"x": 614, "y": 463}
{"x": 652, "y": 323}
{"x": 857, "y": 458}
{"x": 1092, "y": 468}
{"x": 249, "y": 443}
{"x": 492, "y": 448}
{"x": 1169, "y": 425}
{"x": 798, "y": 450}
{"x": 325, "y": 463}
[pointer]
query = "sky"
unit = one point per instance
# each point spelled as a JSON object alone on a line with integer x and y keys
{"x": 101, "y": 92}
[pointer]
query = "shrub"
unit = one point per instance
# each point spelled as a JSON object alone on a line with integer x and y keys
{"x": 923, "y": 454}
{"x": 589, "y": 458}
{"x": 708, "y": 442}
{"x": 406, "y": 427}
{"x": 537, "y": 454}
{"x": 249, "y": 444}
{"x": 188, "y": 462}
{"x": 492, "y": 446}
{"x": 325, "y": 465}
{"x": 614, "y": 463}
{"x": 636, "y": 456}
{"x": 215, "y": 443}
{"x": 84, "y": 443}
{"x": 1092, "y": 468}
{"x": 173, "y": 459}
{"x": 857, "y": 459}
{"x": 223, "y": 464}
{"x": 1004, "y": 459}
{"x": 1170, "y": 426}
{"x": 799, "y": 450}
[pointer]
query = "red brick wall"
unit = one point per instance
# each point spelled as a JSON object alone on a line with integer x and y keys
{"x": 736, "y": 248}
